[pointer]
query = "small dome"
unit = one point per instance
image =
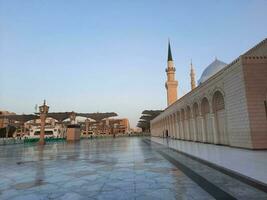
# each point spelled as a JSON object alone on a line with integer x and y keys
{"x": 212, "y": 69}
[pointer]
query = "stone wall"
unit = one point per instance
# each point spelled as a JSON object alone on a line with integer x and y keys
{"x": 239, "y": 121}
{"x": 255, "y": 75}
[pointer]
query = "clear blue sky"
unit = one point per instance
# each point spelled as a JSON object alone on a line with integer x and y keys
{"x": 90, "y": 56}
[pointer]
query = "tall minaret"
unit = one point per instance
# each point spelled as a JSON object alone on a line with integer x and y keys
{"x": 193, "y": 76}
{"x": 171, "y": 84}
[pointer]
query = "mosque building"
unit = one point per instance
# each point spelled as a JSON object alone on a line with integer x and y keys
{"x": 227, "y": 107}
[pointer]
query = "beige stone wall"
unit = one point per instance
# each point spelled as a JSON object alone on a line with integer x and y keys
{"x": 204, "y": 128}
{"x": 255, "y": 75}
{"x": 237, "y": 120}
{"x": 241, "y": 122}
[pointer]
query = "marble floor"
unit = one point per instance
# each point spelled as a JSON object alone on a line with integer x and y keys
{"x": 120, "y": 168}
{"x": 252, "y": 164}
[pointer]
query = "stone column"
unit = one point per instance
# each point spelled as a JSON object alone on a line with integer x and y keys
{"x": 87, "y": 127}
{"x": 193, "y": 122}
{"x": 198, "y": 127}
{"x": 163, "y": 127}
{"x": 42, "y": 129}
{"x": 43, "y": 112}
{"x": 186, "y": 123}
{"x": 167, "y": 126}
{"x": 203, "y": 131}
{"x": 177, "y": 128}
{"x": 182, "y": 129}
{"x": 73, "y": 130}
{"x": 213, "y": 129}
{"x": 170, "y": 127}
{"x": 174, "y": 125}
{"x": 189, "y": 130}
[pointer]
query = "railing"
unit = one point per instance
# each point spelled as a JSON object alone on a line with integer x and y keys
{"x": 8, "y": 141}
{"x": 34, "y": 140}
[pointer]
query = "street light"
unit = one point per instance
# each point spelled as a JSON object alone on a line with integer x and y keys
{"x": 43, "y": 112}
{"x": 87, "y": 126}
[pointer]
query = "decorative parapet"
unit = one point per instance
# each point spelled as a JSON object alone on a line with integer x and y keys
{"x": 255, "y": 47}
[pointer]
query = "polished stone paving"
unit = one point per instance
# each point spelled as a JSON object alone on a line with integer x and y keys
{"x": 120, "y": 168}
{"x": 252, "y": 164}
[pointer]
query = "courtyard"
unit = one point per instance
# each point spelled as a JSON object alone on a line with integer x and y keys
{"x": 120, "y": 168}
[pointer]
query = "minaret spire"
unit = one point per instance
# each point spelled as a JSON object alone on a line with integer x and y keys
{"x": 171, "y": 84}
{"x": 169, "y": 51}
{"x": 192, "y": 75}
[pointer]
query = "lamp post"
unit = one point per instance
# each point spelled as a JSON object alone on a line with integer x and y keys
{"x": 7, "y": 127}
{"x": 72, "y": 117}
{"x": 87, "y": 126}
{"x": 43, "y": 112}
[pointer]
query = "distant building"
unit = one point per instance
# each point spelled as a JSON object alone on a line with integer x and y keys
{"x": 4, "y": 121}
{"x": 108, "y": 126}
{"x": 228, "y": 107}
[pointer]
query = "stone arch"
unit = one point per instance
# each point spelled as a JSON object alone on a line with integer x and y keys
{"x": 217, "y": 101}
{"x": 195, "y": 110}
{"x": 205, "y": 107}
{"x": 205, "y": 111}
{"x": 178, "y": 116}
{"x": 218, "y": 106}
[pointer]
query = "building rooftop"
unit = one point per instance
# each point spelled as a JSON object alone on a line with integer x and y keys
{"x": 211, "y": 69}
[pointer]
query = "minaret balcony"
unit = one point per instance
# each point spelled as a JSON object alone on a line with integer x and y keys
{"x": 170, "y": 69}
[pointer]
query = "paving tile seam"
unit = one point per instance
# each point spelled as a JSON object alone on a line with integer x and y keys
{"x": 149, "y": 176}
{"x": 240, "y": 177}
{"x": 206, "y": 185}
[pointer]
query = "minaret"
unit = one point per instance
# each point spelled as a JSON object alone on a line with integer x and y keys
{"x": 193, "y": 76}
{"x": 171, "y": 84}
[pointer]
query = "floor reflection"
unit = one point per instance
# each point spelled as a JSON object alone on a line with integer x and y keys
{"x": 120, "y": 168}
{"x": 247, "y": 162}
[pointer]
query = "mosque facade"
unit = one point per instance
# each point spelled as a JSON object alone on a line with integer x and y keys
{"x": 227, "y": 107}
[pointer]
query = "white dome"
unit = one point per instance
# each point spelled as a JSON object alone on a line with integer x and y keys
{"x": 212, "y": 69}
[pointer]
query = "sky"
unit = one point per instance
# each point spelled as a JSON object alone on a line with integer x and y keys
{"x": 110, "y": 56}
